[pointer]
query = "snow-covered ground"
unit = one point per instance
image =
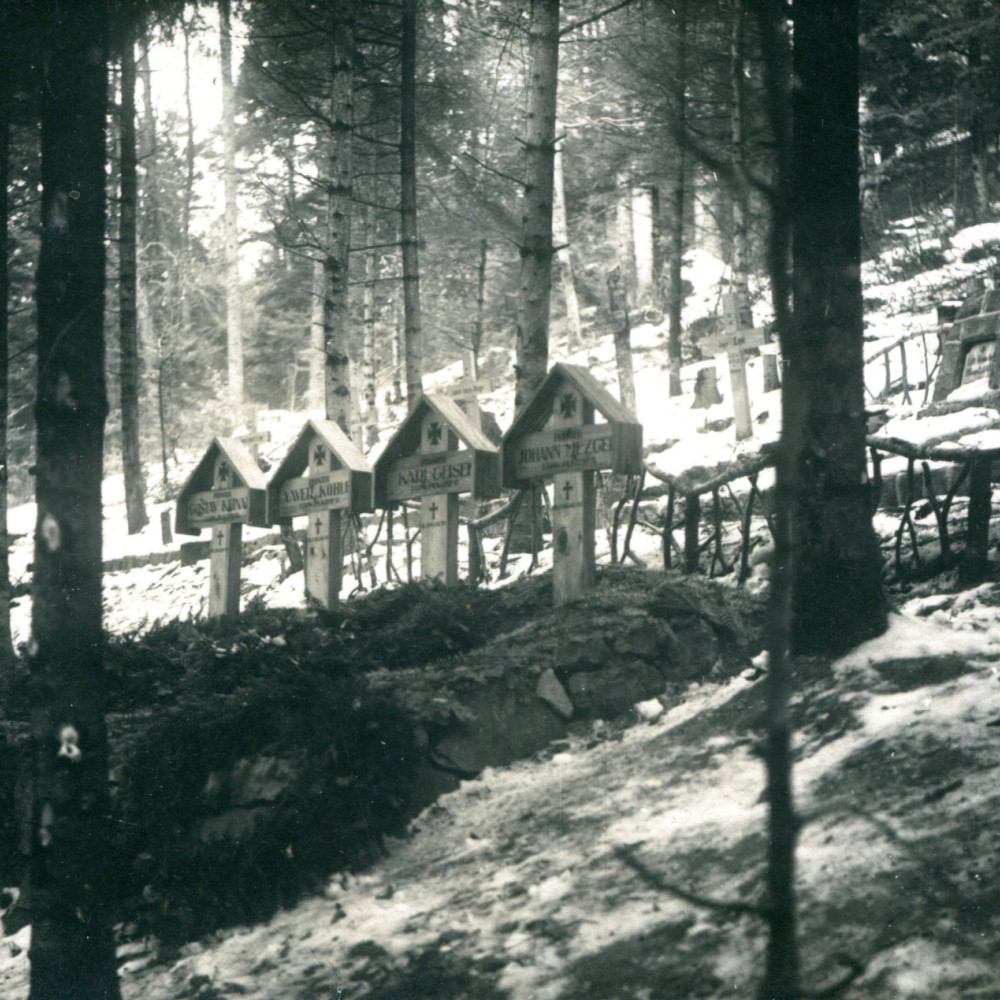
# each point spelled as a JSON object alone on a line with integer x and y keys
{"x": 514, "y": 885}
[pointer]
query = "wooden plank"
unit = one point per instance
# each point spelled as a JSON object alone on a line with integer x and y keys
{"x": 431, "y": 473}
{"x": 564, "y": 447}
{"x": 224, "y": 570}
{"x": 304, "y": 494}
{"x": 438, "y": 469}
{"x": 731, "y": 340}
{"x": 574, "y": 506}
{"x": 219, "y": 506}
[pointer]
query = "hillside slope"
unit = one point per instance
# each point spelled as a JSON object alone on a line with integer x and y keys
{"x": 514, "y": 885}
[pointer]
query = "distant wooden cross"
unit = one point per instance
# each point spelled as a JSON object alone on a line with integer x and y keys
{"x": 739, "y": 334}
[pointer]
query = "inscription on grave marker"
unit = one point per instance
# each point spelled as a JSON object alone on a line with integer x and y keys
{"x": 978, "y": 359}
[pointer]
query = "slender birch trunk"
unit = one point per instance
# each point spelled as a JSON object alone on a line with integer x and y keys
{"x": 340, "y": 186}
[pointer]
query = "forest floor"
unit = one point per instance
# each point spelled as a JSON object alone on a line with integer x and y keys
{"x": 552, "y": 879}
{"x": 517, "y": 885}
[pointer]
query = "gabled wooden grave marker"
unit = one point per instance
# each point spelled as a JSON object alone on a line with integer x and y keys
{"x": 739, "y": 334}
{"x": 437, "y": 453}
{"x": 225, "y": 491}
{"x": 969, "y": 345}
{"x": 555, "y": 437}
{"x": 323, "y": 475}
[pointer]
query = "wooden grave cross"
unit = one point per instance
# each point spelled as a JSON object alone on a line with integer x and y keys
{"x": 235, "y": 496}
{"x": 739, "y": 334}
{"x": 439, "y": 511}
{"x": 338, "y": 480}
{"x": 574, "y": 506}
{"x": 556, "y": 437}
{"x": 438, "y": 453}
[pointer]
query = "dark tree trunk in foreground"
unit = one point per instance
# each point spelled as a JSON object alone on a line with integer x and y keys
{"x": 826, "y": 588}
{"x": 135, "y": 488}
{"x": 838, "y": 598}
{"x": 71, "y": 888}
{"x": 6, "y": 643}
{"x": 412, "y": 330}
{"x": 536, "y": 221}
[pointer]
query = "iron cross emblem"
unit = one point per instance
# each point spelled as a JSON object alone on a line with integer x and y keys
{"x": 223, "y": 472}
{"x": 567, "y": 405}
{"x": 319, "y": 455}
{"x": 434, "y": 433}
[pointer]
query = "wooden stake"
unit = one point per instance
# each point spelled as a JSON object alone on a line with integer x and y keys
{"x": 974, "y": 562}
{"x": 692, "y": 519}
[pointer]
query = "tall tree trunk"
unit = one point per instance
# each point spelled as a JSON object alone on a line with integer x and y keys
{"x": 234, "y": 326}
{"x": 154, "y": 323}
{"x": 644, "y": 201}
{"x": 826, "y": 586}
{"x": 340, "y": 182}
{"x": 625, "y": 234}
{"x": 978, "y": 138}
{"x": 412, "y": 332}
{"x": 135, "y": 486}
{"x": 188, "y": 199}
{"x": 368, "y": 345}
{"x": 6, "y": 643}
{"x": 676, "y": 292}
{"x": 397, "y": 352}
{"x": 564, "y": 257}
{"x": 480, "y": 324}
{"x": 316, "y": 391}
{"x": 838, "y": 595}
{"x": 618, "y": 307}
{"x": 741, "y": 284}
{"x": 536, "y": 221}
{"x": 781, "y": 972}
{"x": 71, "y": 883}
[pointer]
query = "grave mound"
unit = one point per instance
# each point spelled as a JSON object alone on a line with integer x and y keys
{"x": 253, "y": 757}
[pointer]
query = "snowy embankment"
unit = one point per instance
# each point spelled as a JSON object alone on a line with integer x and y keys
{"x": 514, "y": 885}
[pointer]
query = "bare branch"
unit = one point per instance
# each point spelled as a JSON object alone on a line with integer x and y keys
{"x": 593, "y": 17}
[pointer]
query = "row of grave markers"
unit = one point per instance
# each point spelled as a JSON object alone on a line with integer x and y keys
{"x": 438, "y": 453}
